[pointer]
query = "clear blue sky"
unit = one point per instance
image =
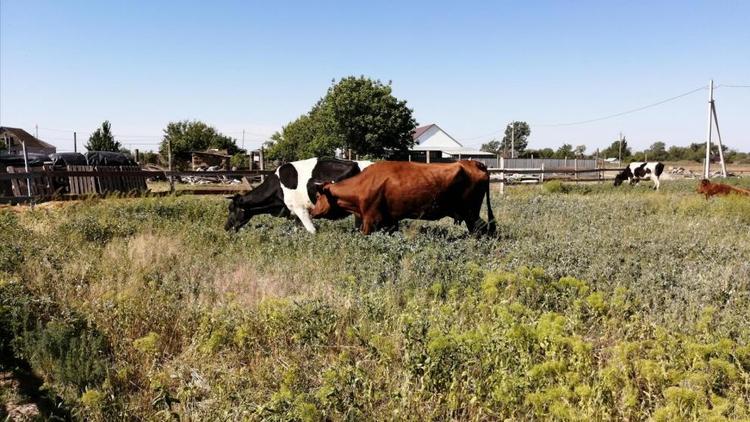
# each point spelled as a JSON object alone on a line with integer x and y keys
{"x": 469, "y": 66}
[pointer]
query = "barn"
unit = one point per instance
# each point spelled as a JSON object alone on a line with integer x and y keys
{"x": 433, "y": 144}
{"x": 12, "y": 137}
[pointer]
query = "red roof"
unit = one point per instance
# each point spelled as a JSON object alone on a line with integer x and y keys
{"x": 420, "y": 130}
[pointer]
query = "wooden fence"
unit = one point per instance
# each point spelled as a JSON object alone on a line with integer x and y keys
{"x": 76, "y": 181}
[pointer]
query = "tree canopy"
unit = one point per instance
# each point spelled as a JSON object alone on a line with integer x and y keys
{"x": 195, "y": 135}
{"x": 356, "y": 113}
{"x": 613, "y": 150}
{"x": 518, "y": 133}
{"x": 492, "y": 146}
{"x": 102, "y": 139}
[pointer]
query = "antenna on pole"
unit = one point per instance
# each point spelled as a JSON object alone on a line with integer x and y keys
{"x": 713, "y": 120}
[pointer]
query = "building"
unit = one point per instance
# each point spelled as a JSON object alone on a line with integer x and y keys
{"x": 210, "y": 158}
{"x": 433, "y": 144}
{"x": 11, "y": 139}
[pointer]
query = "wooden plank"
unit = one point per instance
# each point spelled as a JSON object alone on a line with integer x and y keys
{"x": 14, "y": 182}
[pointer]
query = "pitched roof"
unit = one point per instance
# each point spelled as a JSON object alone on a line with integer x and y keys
{"x": 420, "y": 130}
{"x": 22, "y": 135}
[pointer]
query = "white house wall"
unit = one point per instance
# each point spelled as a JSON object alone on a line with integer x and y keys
{"x": 435, "y": 138}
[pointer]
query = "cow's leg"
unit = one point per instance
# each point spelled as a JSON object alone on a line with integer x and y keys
{"x": 368, "y": 225}
{"x": 656, "y": 183}
{"x": 304, "y": 216}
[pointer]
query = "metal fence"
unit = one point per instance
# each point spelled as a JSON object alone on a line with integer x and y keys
{"x": 547, "y": 163}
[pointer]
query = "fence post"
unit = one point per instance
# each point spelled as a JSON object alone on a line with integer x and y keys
{"x": 542, "y": 172}
{"x": 575, "y": 168}
{"x": 26, "y": 166}
{"x": 502, "y": 175}
{"x": 262, "y": 164}
{"x": 169, "y": 157}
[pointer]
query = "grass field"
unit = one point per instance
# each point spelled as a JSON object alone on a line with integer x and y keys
{"x": 592, "y": 303}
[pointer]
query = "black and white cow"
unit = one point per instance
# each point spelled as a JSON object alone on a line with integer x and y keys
{"x": 640, "y": 170}
{"x": 290, "y": 191}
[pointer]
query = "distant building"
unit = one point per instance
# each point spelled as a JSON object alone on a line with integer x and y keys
{"x": 433, "y": 144}
{"x": 11, "y": 139}
{"x": 210, "y": 158}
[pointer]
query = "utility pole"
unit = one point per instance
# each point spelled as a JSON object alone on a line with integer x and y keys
{"x": 75, "y": 143}
{"x": 619, "y": 154}
{"x": 712, "y": 119}
{"x": 243, "y": 138}
{"x": 707, "y": 162}
{"x": 36, "y": 131}
{"x": 513, "y": 140}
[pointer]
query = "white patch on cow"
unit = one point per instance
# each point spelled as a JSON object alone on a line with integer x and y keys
{"x": 297, "y": 200}
{"x": 363, "y": 164}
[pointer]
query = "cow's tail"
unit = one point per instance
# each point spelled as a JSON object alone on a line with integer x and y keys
{"x": 491, "y": 225}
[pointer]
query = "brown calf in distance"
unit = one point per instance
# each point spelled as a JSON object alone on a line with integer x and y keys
{"x": 389, "y": 191}
{"x": 710, "y": 189}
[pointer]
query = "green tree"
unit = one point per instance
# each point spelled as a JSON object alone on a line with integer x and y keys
{"x": 186, "y": 136}
{"x": 565, "y": 151}
{"x": 656, "y": 152}
{"x": 613, "y": 150}
{"x": 356, "y": 113}
{"x": 303, "y": 138}
{"x": 494, "y": 146}
{"x": 519, "y": 133}
{"x": 579, "y": 151}
{"x": 102, "y": 139}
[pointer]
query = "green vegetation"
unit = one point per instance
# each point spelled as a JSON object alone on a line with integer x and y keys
{"x": 186, "y": 136}
{"x": 356, "y": 113}
{"x": 515, "y": 138}
{"x": 102, "y": 139}
{"x": 592, "y": 303}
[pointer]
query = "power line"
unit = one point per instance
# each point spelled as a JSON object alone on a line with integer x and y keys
{"x": 732, "y": 86}
{"x": 610, "y": 116}
{"x": 622, "y": 113}
{"x": 57, "y": 130}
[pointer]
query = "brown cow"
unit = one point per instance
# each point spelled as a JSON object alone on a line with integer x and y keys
{"x": 710, "y": 189}
{"x": 389, "y": 191}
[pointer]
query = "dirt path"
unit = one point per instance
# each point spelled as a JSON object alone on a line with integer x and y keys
{"x": 22, "y": 397}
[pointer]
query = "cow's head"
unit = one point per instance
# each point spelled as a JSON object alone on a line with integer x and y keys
{"x": 238, "y": 215}
{"x": 623, "y": 176}
{"x": 324, "y": 202}
{"x": 703, "y": 186}
{"x": 327, "y": 203}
